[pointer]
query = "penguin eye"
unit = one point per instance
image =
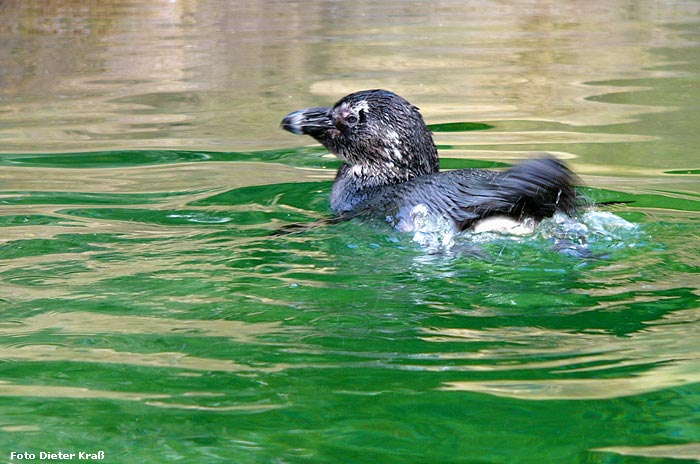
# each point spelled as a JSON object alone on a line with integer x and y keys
{"x": 352, "y": 119}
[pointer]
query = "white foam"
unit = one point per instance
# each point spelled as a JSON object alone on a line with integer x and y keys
{"x": 432, "y": 231}
{"x": 606, "y": 224}
{"x": 437, "y": 234}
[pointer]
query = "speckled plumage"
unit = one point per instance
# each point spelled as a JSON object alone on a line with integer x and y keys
{"x": 390, "y": 166}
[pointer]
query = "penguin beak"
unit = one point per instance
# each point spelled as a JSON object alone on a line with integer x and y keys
{"x": 309, "y": 121}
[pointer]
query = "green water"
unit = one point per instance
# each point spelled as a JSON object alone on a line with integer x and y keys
{"x": 171, "y": 326}
{"x": 149, "y": 310}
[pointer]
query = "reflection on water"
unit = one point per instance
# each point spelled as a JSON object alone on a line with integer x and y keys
{"x": 690, "y": 451}
{"x": 218, "y": 75}
{"x": 10, "y": 390}
{"x": 7, "y": 389}
{"x": 147, "y": 307}
{"x": 92, "y": 323}
{"x": 665, "y": 354}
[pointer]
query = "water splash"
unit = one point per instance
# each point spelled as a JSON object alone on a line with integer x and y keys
{"x": 433, "y": 232}
{"x": 570, "y": 235}
{"x": 575, "y": 236}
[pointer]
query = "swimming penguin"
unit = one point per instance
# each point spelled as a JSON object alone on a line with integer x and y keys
{"x": 390, "y": 169}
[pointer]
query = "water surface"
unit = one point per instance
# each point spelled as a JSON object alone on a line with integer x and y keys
{"x": 147, "y": 310}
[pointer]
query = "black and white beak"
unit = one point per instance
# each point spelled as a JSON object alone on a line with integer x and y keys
{"x": 309, "y": 121}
